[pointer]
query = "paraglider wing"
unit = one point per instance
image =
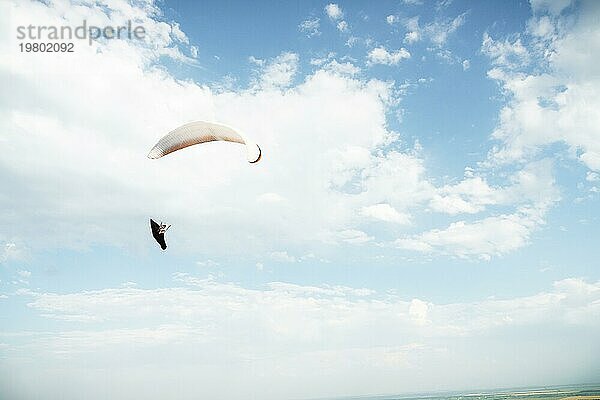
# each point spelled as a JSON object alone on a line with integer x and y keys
{"x": 202, "y": 132}
{"x": 158, "y": 235}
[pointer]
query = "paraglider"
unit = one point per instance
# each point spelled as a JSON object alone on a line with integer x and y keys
{"x": 196, "y": 133}
{"x": 202, "y": 132}
{"x": 158, "y": 232}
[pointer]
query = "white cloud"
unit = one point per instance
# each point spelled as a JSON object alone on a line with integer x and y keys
{"x": 437, "y": 31}
{"x": 354, "y": 165}
{"x": 413, "y": 33}
{"x": 532, "y": 191}
{"x": 342, "y": 26}
{"x": 532, "y": 185}
{"x": 310, "y": 27}
{"x": 207, "y": 298}
{"x": 24, "y": 273}
{"x": 278, "y": 73}
{"x": 442, "y": 4}
{"x": 469, "y": 196}
{"x": 491, "y": 236}
{"x": 282, "y": 256}
{"x": 418, "y": 311}
{"x": 385, "y": 212}
{"x": 557, "y": 102}
{"x": 11, "y": 251}
{"x": 345, "y": 68}
{"x": 506, "y": 54}
{"x": 412, "y": 37}
{"x": 284, "y": 332}
{"x": 270, "y": 198}
{"x": 352, "y": 40}
{"x": 380, "y": 55}
{"x": 318, "y": 61}
{"x": 330, "y": 64}
{"x": 391, "y": 19}
{"x": 554, "y": 7}
{"x": 541, "y": 27}
{"x": 354, "y": 236}
{"x": 466, "y": 64}
{"x": 256, "y": 61}
{"x": 71, "y": 172}
{"x": 334, "y": 11}
{"x": 178, "y": 34}
{"x": 207, "y": 263}
{"x": 592, "y": 177}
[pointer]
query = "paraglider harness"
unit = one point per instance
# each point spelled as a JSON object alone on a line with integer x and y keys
{"x": 158, "y": 232}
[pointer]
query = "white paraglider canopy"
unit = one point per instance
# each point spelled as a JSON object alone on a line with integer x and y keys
{"x": 202, "y": 132}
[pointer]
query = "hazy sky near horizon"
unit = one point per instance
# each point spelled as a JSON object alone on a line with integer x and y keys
{"x": 425, "y": 215}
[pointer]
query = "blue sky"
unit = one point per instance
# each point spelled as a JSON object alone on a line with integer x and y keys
{"x": 424, "y": 218}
